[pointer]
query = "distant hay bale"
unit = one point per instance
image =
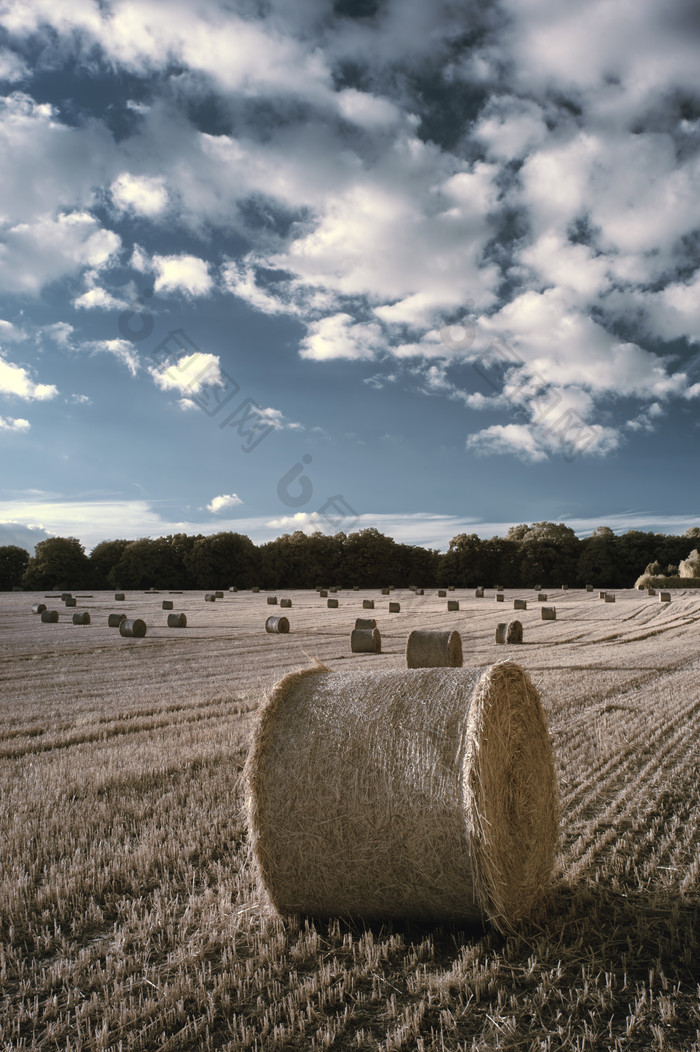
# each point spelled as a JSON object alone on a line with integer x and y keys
{"x": 177, "y": 621}
{"x": 520, "y": 604}
{"x": 133, "y": 629}
{"x": 651, "y": 591}
{"x": 49, "y": 617}
{"x": 538, "y": 587}
{"x": 323, "y": 593}
{"x": 515, "y": 632}
{"x": 386, "y": 591}
{"x": 425, "y": 794}
{"x": 501, "y": 630}
{"x": 602, "y": 595}
{"x": 499, "y": 597}
{"x": 167, "y": 604}
{"x": 286, "y": 603}
{"x": 452, "y": 604}
{"x": 356, "y": 588}
{"x": 394, "y": 608}
{"x": 549, "y": 613}
{"x": 81, "y": 619}
{"x": 368, "y": 604}
{"x": 365, "y": 641}
{"x": 279, "y": 625}
{"x": 84, "y": 597}
{"x": 450, "y": 588}
{"x": 38, "y": 608}
{"x": 479, "y": 593}
{"x": 333, "y": 591}
{"x": 420, "y": 591}
{"x": 609, "y": 597}
{"x": 114, "y": 620}
{"x": 232, "y": 588}
{"x": 219, "y": 595}
{"x": 542, "y": 597}
{"x": 499, "y": 587}
{"x": 442, "y": 594}
{"x": 256, "y": 589}
{"x": 332, "y": 604}
{"x": 664, "y": 597}
{"x": 589, "y": 587}
{"x": 434, "y": 648}
{"x": 365, "y": 622}
{"x": 66, "y": 595}
{"x": 272, "y": 600}
{"x": 119, "y": 597}
{"x": 210, "y": 597}
{"x": 71, "y": 602}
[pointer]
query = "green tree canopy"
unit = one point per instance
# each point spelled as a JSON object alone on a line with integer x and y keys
{"x": 13, "y": 563}
{"x": 59, "y": 563}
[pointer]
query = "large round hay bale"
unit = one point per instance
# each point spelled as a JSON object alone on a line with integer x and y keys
{"x": 609, "y": 597}
{"x": 272, "y": 600}
{"x": 664, "y": 597}
{"x": 479, "y": 593}
{"x": 386, "y": 591}
{"x": 368, "y": 604}
{"x": 434, "y": 648}
{"x": 365, "y": 622}
{"x": 542, "y": 597}
{"x": 167, "y": 604}
{"x": 515, "y": 632}
{"x": 114, "y": 620}
{"x": 233, "y": 588}
{"x": 81, "y": 619}
{"x": 323, "y": 593}
{"x": 365, "y": 641}
{"x": 219, "y": 595}
{"x": 177, "y": 621}
{"x": 135, "y": 628}
{"x": 71, "y": 602}
{"x": 549, "y": 613}
{"x": 278, "y": 625}
{"x": 442, "y": 593}
{"x": 49, "y": 617}
{"x": 119, "y": 597}
{"x": 332, "y": 604}
{"x": 394, "y": 608}
{"x": 286, "y": 603}
{"x": 499, "y": 597}
{"x": 538, "y": 587}
{"x": 427, "y": 794}
{"x": 601, "y": 595}
{"x": 453, "y": 604}
{"x": 210, "y": 597}
{"x": 501, "y": 630}
{"x": 38, "y": 608}
{"x": 520, "y": 604}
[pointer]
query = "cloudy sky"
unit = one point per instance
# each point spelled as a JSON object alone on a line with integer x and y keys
{"x": 422, "y": 265}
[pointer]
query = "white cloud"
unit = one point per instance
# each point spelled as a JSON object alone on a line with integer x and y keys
{"x": 190, "y": 374}
{"x": 142, "y": 194}
{"x": 123, "y": 351}
{"x": 8, "y": 423}
{"x": 99, "y": 299}
{"x": 15, "y": 380}
{"x": 339, "y": 336}
{"x": 183, "y": 273}
{"x": 36, "y": 253}
{"x": 306, "y": 522}
{"x": 12, "y": 67}
{"x": 240, "y": 279}
{"x": 224, "y": 502}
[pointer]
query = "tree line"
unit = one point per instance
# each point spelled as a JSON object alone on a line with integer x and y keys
{"x": 545, "y": 553}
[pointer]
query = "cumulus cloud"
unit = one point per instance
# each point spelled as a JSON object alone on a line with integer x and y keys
{"x": 122, "y": 350}
{"x": 190, "y": 374}
{"x": 339, "y": 336}
{"x": 99, "y": 299}
{"x": 187, "y": 274}
{"x": 15, "y": 380}
{"x": 35, "y": 253}
{"x": 224, "y": 502}
{"x": 8, "y": 423}
{"x": 141, "y": 194}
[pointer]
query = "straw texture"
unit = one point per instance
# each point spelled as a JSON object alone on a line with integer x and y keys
{"x": 177, "y": 621}
{"x": 433, "y": 648}
{"x": 365, "y": 622}
{"x": 515, "y": 632}
{"x": 427, "y": 794}
{"x": 365, "y": 641}
{"x": 135, "y": 629}
{"x": 279, "y": 625}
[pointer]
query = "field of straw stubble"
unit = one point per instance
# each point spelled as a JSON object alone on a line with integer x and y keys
{"x": 129, "y": 918}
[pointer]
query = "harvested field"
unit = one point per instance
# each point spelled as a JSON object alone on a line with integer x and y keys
{"x": 128, "y": 914}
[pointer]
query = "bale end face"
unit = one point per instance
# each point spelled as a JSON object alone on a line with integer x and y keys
{"x": 434, "y": 648}
{"x": 427, "y": 794}
{"x": 38, "y": 608}
{"x": 177, "y": 621}
{"x": 515, "y": 632}
{"x": 135, "y": 629}
{"x": 365, "y": 641}
{"x": 501, "y": 630}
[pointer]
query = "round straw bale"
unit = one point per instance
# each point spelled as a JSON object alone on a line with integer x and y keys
{"x": 538, "y": 587}
{"x": 453, "y": 604}
{"x": 450, "y": 588}
{"x": 333, "y": 590}
{"x": 332, "y": 604}
{"x": 114, "y": 620}
{"x": 426, "y": 794}
{"x": 365, "y": 622}
{"x": 394, "y": 608}
{"x": 119, "y": 597}
{"x": 356, "y": 588}
{"x": 277, "y": 624}
{"x": 368, "y": 604}
{"x": 479, "y": 593}
{"x": 651, "y": 591}
{"x": 177, "y": 621}
{"x": 514, "y": 633}
{"x": 219, "y": 595}
{"x": 167, "y": 604}
{"x": 609, "y": 597}
{"x": 66, "y": 595}
{"x": 135, "y": 628}
{"x": 71, "y": 602}
{"x": 499, "y": 597}
{"x": 285, "y": 603}
{"x": 442, "y": 594}
{"x": 255, "y": 589}
{"x": 542, "y": 597}
{"x": 501, "y": 630}
{"x": 272, "y": 600}
{"x": 81, "y": 619}
{"x": 386, "y": 591}
{"x": 49, "y": 616}
{"x": 601, "y": 595}
{"x": 365, "y": 641}
{"x": 589, "y": 587}
{"x": 233, "y": 588}
{"x": 549, "y": 613}
{"x": 209, "y": 598}
{"x": 434, "y": 648}
{"x": 520, "y": 604}
{"x": 499, "y": 587}
{"x": 664, "y": 597}
{"x": 420, "y": 591}
{"x": 38, "y": 608}
{"x": 323, "y": 593}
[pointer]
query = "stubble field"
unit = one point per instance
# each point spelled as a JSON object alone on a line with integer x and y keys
{"x": 129, "y": 917}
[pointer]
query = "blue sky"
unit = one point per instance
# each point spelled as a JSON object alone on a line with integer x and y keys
{"x": 425, "y": 266}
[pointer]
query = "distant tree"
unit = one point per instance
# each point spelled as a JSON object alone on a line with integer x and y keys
{"x": 549, "y": 554}
{"x": 465, "y": 564}
{"x": 148, "y": 563}
{"x": 59, "y": 563}
{"x": 103, "y": 558}
{"x": 368, "y": 559}
{"x": 224, "y": 559}
{"x": 13, "y": 563}
{"x": 597, "y": 559}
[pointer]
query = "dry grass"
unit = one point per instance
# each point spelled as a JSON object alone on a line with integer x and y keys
{"x": 128, "y": 916}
